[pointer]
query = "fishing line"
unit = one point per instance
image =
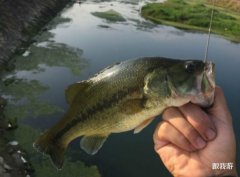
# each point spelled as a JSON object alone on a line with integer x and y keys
{"x": 209, "y": 32}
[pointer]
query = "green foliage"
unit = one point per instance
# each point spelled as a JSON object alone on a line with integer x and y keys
{"x": 50, "y": 53}
{"x": 110, "y": 15}
{"x": 53, "y": 54}
{"x": 24, "y": 94}
{"x": 33, "y": 108}
{"x": 142, "y": 24}
{"x": 58, "y": 20}
{"x": 70, "y": 169}
{"x": 192, "y": 15}
{"x": 20, "y": 88}
{"x": 26, "y": 135}
{"x": 23, "y": 98}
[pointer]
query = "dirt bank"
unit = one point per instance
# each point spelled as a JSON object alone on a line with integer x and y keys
{"x": 13, "y": 160}
{"x": 20, "y": 20}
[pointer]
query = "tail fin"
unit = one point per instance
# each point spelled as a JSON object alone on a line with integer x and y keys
{"x": 46, "y": 144}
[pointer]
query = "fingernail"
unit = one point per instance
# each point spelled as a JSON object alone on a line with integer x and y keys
{"x": 210, "y": 134}
{"x": 200, "y": 142}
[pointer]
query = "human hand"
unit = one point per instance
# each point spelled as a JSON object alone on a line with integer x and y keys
{"x": 189, "y": 140}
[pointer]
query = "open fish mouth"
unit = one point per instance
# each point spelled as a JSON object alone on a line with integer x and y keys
{"x": 205, "y": 86}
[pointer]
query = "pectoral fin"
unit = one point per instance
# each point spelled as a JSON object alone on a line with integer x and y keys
{"x": 91, "y": 144}
{"x": 143, "y": 125}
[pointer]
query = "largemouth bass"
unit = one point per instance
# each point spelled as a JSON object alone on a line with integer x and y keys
{"x": 126, "y": 96}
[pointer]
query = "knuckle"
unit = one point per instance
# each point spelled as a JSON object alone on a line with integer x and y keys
{"x": 201, "y": 121}
{"x": 181, "y": 139}
{"x": 170, "y": 113}
{"x": 162, "y": 128}
{"x": 200, "y": 127}
{"x": 167, "y": 112}
{"x": 202, "y": 124}
{"x": 191, "y": 135}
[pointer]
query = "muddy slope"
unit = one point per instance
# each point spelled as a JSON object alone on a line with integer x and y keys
{"x": 20, "y": 20}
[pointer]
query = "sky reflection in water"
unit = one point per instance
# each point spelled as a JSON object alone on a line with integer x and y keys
{"x": 75, "y": 47}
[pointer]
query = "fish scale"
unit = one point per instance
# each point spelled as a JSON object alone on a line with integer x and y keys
{"x": 99, "y": 107}
{"x": 126, "y": 96}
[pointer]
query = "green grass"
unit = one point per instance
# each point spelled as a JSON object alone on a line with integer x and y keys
{"x": 110, "y": 15}
{"x": 193, "y": 15}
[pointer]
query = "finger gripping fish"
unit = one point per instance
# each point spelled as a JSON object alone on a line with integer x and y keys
{"x": 126, "y": 96}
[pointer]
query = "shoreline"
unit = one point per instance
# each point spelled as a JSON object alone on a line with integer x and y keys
{"x": 194, "y": 16}
{"x": 13, "y": 159}
{"x": 20, "y": 21}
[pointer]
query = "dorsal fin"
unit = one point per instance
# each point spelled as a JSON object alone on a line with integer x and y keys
{"x": 73, "y": 90}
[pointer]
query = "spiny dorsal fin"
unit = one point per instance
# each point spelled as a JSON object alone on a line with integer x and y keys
{"x": 91, "y": 144}
{"x": 72, "y": 91}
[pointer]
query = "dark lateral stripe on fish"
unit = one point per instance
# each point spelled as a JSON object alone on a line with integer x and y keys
{"x": 105, "y": 104}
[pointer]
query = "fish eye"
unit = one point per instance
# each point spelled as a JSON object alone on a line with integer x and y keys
{"x": 190, "y": 67}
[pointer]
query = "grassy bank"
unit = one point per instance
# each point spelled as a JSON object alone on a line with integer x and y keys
{"x": 233, "y": 5}
{"x": 194, "y": 15}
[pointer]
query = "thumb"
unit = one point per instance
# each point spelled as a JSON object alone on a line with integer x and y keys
{"x": 219, "y": 110}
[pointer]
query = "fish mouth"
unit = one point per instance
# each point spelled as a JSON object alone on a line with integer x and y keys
{"x": 205, "y": 85}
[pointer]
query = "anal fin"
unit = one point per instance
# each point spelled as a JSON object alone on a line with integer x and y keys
{"x": 144, "y": 124}
{"x": 92, "y": 144}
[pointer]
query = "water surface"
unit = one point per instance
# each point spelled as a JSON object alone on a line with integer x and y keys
{"x": 76, "y": 45}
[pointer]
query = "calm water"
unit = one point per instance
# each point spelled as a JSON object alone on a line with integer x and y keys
{"x": 76, "y": 45}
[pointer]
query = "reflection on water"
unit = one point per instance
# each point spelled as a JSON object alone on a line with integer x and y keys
{"x": 52, "y": 55}
{"x": 41, "y": 164}
{"x": 24, "y": 89}
{"x": 77, "y": 45}
{"x": 23, "y": 98}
